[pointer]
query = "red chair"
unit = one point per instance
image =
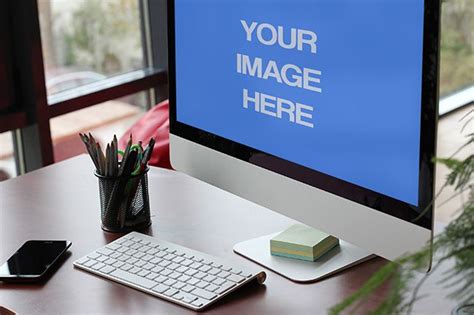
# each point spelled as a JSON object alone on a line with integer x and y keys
{"x": 155, "y": 124}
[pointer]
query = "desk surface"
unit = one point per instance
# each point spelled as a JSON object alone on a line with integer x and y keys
{"x": 61, "y": 202}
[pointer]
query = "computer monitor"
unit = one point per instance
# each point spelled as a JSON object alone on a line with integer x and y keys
{"x": 322, "y": 110}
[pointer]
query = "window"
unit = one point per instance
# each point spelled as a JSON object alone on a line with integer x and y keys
{"x": 75, "y": 63}
{"x": 457, "y": 46}
{"x": 85, "y": 41}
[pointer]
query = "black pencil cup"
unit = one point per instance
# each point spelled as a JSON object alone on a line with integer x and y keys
{"x": 124, "y": 202}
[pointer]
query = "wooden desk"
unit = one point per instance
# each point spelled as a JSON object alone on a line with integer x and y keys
{"x": 61, "y": 202}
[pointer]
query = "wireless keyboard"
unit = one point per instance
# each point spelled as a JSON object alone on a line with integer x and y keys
{"x": 172, "y": 272}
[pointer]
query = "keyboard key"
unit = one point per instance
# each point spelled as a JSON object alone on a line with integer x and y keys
{"x": 132, "y": 260}
{"x": 136, "y": 239}
{"x": 143, "y": 273}
{"x": 209, "y": 278}
{"x": 93, "y": 255}
{"x": 193, "y": 281}
{"x": 202, "y": 284}
{"x": 214, "y": 271}
{"x": 121, "y": 240}
{"x": 181, "y": 269}
{"x": 235, "y": 278}
{"x": 205, "y": 268}
{"x": 200, "y": 275}
{"x": 184, "y": 278}
{"x": 140, "y": 263}
{"x": 148, "y": 266}
{"x": 204, "y": 294}
{"x": 188, "y": 256}
{"x": 169, "y": 257}
{"x": 169, "y": 282}
{"x": 98, "y": 266}
{"x": 179, "y": 296}
{"x": 105, "y": 251}
{"x": 107, "y": 269}
{"x": 132, "y": 278}
{"x": 178, "y": 259}
{"x": 113, "y": 246}
{"x": 188, "y": 288}
{"x": 170, "y": 250}
{"x": 199, "y": 302}
{"x": 115, "y": 255}
{"x": 190, "y": 272}
{"x": 157, "y": 269}
{"x": 152, "y": 251}
{"x": 145, "y": 248}
{"x": 136, "y": 246}
{"x": 198, "y": 259}
{"x": 223, "y": 274}
{"x": 110, "y": 261}
{"x": 226, "y": 286}
{"x": 145, "y": 242}
{"x": 147, "y": 257}
{"x": 82, "y": 260}
{"x": 170, "y": 292}
{"x": 152, "y": 276}
{"x": 188, "y": 298}
{"x": 236, "y": 271}
{"x": 218, "y": 281}
{"x": 160, "y": 288}
{"x": 173, "y": 266}
{"x": 128, "y": 243}
{"x": 155, "y": 261}
{"x": 164, "y": 263}
{"x": 123, "y": 257}
{"x": 178, "y": 285}
{"x": 90, "y": 263}
{"x": 161, "y": 279}
{"x": 212, "y": 287}
{"x": 186, "y": 262}
{"x": 166, "y": 272}
{"x": 226, "y": 268}
{"x": 196, "y": 265}
{"x": 135, "y": 270}
{"x": 206, "y": 261}
{"x": 126, "y": 267}
{"x": 122, "y": 249}
{"x": 161, "y": 254}
{"x": 118, "y": 264}
{"x": 175, "y": 275}
{"x": 216, "y": 265}
{"x": 102, "y": 258}
{"x": 139, "y": 254}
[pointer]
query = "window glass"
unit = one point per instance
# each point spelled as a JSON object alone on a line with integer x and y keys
{"x": 7, "y": 159}
{"x": 457, "y": 46}
{"x": 88, "y": 40}
{"x": 102, "y": 120}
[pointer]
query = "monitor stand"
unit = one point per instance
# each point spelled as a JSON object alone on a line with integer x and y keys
{"x": 339, "y": 258}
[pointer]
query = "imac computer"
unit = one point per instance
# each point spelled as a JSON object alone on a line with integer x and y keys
{"x": 322, "y": 110}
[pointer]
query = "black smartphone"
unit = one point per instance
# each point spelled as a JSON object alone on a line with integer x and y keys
{"x": 32, "y": 261}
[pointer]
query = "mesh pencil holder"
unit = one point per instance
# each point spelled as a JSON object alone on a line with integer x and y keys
{"x": 124, "y": 202}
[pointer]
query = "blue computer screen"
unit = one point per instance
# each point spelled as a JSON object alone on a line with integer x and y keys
{"x": 332, "y": 85}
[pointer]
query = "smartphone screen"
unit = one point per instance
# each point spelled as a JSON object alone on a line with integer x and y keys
{"x": 33, "y": 259}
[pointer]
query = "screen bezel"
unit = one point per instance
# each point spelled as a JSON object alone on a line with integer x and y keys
{"x": 421, "y": 215}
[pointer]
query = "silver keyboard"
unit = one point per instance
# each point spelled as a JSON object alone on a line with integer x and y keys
{"x": 172, "y": 272}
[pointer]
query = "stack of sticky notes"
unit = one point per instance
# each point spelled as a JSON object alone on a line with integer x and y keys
{"x": 302, "y": 242}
